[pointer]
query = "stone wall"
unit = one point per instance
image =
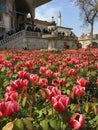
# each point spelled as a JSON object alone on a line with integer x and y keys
{"x": 39, "y": 43}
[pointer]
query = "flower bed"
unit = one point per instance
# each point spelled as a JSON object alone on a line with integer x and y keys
{"x": 49, "y": 90}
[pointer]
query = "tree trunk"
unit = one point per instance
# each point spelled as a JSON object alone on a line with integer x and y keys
{"x": 91, "y": 39}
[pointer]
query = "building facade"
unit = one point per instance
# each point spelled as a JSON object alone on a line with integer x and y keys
{"x": 13, "y": 13}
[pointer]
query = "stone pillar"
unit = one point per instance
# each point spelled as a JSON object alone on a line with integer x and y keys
{"x": 32, "y": 12}
{"x": 7, "y": 22}
{"x": 9, "y": 16}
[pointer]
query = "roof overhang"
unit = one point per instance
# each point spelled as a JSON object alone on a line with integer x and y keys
{"x": 41, "y": 2}
{"x": 24, "y": 5}
{"x": 60, "y": 27}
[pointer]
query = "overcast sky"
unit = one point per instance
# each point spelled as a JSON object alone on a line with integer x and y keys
{"x": 69, "y": 12}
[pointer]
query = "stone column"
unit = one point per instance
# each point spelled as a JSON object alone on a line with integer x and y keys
{"x": 8, "y": 16}
{"x": 32, "y": 12}
{"x": 7, "y": 22}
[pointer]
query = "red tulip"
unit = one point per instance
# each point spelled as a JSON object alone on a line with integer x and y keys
{"x": 34, "y": 78}
{"x": 79, "y": 91}
{"x": 11, "y": 96}
{"x": 97, "y": 82}
{"x": 60, "y": 102}
{"x": 2, "y": 109}
{"x": 9, "y": 89}
{"x": 63, "y": 65}
{"x": 48, "y": 73}
{"x": 19, "y": 84}
{"x": 81, "y": 82}
{"x": 21, "y": 74}
{"x": 56, "y": 75}
{"x": 77, "y": 121}
{"x": 11, "y": 107}
{"x": 73, "y": 72}
{"x": 68, "y": 58}
{"x": 25, "y": 83}
{"x": 52, "y": 91}
{"x": 55, "y": 82}
{"x": 14, "y": 85}
{"x": 97, "y": 65}
{"x": 63, "y": 82}
{"x": 43, "y": 82}
{"x": 43, "y": 70}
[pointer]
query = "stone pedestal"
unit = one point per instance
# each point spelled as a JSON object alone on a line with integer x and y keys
{"x": 52, "y": 40}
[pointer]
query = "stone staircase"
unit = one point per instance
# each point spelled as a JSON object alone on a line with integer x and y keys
{"x": 17, "y": 40}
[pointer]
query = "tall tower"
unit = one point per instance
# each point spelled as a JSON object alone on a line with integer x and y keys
{"x": 59, "y": 19}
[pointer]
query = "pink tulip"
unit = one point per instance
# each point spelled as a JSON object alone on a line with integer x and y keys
{"x": 60, "y": 102}
{"x": 77, "y": 121}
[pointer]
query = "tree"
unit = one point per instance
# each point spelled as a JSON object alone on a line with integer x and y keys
{"x": 89, "y": 12}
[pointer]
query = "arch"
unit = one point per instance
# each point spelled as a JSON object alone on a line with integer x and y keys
{"x": 22, "y": 9}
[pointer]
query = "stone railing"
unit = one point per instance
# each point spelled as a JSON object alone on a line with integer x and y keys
{"x": 12, "y": 39}
{"x": 16, "y": 38}
{"x": 33, "y": 34}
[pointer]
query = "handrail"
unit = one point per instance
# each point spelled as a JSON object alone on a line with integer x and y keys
{"x": 12, "y": 37}
{"x": 33, "y": 34}
{"x": 16, "y": 37}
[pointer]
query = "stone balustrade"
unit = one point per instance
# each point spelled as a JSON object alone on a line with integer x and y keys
{"x": 11, "y": 39}
{"x": 16, "y": 37}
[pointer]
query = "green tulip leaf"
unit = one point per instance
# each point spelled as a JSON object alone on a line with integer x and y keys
{"x": 18, "y": 125}
{"x": 28, "y": 124}
{"x": 54, "y": 123}
{"x": 44, "y": 125}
